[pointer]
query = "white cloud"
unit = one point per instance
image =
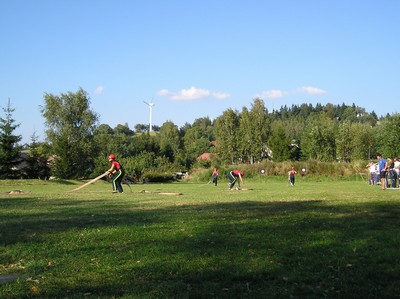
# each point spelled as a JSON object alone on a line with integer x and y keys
{"x": 99, "y": 90}
{"x": 221, "y": 95}
{"x": 272, "y": 94}
{"x": 312, "y": 90}
{"x": 276, "y": 93}
{"x": 191, "y": 94}
{"x": 164, "y": 93}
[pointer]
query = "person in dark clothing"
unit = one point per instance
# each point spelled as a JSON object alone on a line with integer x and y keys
{"x": 116, "y": 173}
{"x": 233, "y": 177}
{"x": 292, "y": 173}
{"x": 214, "y": 177}
{"x": 391, "y": 174}
{"x": 382, "y": 169}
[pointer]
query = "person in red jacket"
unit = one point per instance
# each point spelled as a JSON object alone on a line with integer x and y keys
{"x": 233, "y": 176}
{"x": 117, "y": 173}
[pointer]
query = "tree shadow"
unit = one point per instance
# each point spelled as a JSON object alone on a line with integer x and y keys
{"x": 247, "y": 249}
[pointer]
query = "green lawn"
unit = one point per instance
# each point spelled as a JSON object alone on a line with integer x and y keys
{"x": 319, "y": 239}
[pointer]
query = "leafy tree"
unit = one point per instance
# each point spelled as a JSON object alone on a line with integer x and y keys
{"x": 119, "y": 140}
{"x": 259, "y": 126}
{"x": 330, "y": 111}
{"x": 169, "y": 140}
{"x": 197, "y": 139}
{"x": 389, "y": 136}
{"x": 147, "y": 142}
{"x": 350, "y": 114}
{"x": 205, "y": 126}
{"x": 196, "y": 143}
{"x": 253, "y": 131}
{"x": 245, "y": 137}
{"x": 184, "y": 129}
{"x": 9, "y": 148}
{"x": 105, "y": 141}
{"x": 71, "y": 124}
{"x": 344, "y": 144}
{"x": 318, "y": 140}
{"x": 225, "y": 129}
{"x": 122, "y": 141}
{"x": 372, "y": 118}
{"x": 123, "y": 130}
{"x": 362, "y": 140}
{"x": 141, "y": 128}
{"x": 144, "y": 162}
{"x": 103, "y": 129}
{"x": 354, "y": 141}
{"x": 294, "y": 128}
{"x": 279, "y": 143}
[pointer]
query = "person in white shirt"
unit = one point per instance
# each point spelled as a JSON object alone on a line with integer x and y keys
{"x": 372, "y": 172}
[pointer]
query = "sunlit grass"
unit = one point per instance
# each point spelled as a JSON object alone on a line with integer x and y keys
{"x": 318, "y": 239}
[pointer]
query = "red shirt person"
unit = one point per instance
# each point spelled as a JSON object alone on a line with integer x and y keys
{"x": 292, "y": 173}
{"x": 117, "y": 173}
{"x": 233, "y": 176}
{"x": 214, "y": 176}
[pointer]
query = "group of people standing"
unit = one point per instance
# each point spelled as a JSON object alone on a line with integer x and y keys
{"x": 385, "y": 172}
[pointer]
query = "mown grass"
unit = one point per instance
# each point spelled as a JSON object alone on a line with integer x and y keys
{"x": 322, "y": 238}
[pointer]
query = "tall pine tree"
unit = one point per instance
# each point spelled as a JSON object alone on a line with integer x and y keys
{"x": 9, "y": 148}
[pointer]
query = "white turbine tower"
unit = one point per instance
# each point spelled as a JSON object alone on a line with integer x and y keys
{"x": 151, "y": 105}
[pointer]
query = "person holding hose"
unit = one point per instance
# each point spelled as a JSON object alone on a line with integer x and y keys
{"x": 116, "y": 173}
{"x": 233, "y": 176}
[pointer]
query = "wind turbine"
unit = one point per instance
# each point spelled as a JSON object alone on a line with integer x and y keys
{"x": 151, "y": 105}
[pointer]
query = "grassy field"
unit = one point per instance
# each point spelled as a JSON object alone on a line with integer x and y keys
{"x": 319, "y": 239}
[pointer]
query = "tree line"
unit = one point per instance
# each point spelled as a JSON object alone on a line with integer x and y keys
{"x": 76, "y": 145}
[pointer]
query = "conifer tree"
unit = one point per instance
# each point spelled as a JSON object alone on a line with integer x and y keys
{"x": 9, "y": 148}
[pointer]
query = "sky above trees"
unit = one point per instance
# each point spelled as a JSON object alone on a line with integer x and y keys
{"x": 197, "y": 59}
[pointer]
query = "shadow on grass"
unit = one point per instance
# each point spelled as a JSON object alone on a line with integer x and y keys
{"x": 304, "y": 249}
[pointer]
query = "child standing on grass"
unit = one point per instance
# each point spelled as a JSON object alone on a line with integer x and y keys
{"x": 116, "y": 172}
{"x": 292, "y": 173}
{"x": 214, "y": 176}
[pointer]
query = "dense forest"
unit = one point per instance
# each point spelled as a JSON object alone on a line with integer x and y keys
{"x": 79, "y": 145}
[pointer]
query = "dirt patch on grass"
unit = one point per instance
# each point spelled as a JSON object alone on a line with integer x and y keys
{"x": 163, "y": 193}
{"x": 16, "y": 192}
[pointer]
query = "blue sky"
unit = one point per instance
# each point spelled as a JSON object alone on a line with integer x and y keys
{"x": 197, "y": 58}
